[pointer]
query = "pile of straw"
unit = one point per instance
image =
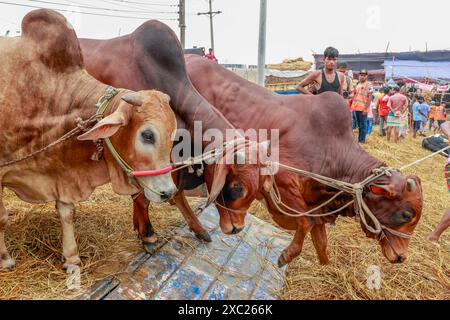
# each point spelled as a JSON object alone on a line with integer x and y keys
{"x": 291, "y": 65}
{"x": 104, "y": 233}
{"x": 107, "y": 242}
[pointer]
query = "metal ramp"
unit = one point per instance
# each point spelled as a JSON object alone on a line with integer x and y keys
{"x": 242, "y": 266}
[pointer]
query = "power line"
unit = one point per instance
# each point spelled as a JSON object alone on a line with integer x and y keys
{"x": 149, "y": 4}
{"x": 82, "y": 12}
{"x": 101, "y": 8}
{"x": 122, "y": 4}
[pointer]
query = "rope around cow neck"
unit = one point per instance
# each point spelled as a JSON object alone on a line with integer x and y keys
{"x": 82, "y": 126}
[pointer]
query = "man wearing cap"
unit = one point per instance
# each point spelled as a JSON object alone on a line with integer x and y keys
{"x": 327, "y": 79}
{"x": 361, "y": 104}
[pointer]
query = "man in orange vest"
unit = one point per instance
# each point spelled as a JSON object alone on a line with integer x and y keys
{"x": 361, "y": 104}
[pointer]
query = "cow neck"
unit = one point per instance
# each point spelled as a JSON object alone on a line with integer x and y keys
{"x": 361, "y": 165}
{"x": 190, "y": 107}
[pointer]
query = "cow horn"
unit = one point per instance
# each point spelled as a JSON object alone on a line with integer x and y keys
{"x": 133, "y": 98}
{"x": 411, "y": 184}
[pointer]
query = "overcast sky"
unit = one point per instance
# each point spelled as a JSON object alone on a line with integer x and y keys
{"x": 294, "y": 27}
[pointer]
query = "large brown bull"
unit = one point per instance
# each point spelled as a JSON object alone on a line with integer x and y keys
{"x": 152, "y": 58}
{"x": 315, "y": 136}
{"x": 43, "y": 91}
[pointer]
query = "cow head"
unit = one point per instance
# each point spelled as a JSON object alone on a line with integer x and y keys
{"x": 141, "y": 130}
{"x": 397, "y": 202}
{"x": 235, "y": 186}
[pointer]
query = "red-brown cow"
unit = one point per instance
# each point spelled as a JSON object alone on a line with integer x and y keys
{"x": 315, "y": 136}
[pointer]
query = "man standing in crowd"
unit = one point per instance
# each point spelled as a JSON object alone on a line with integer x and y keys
{"x": 440, "y": 115}
{"x": 420, "y": 111}
{"x": 347, "y": 86}
{"x": 383, "y": 109}
{"x": 397, "y": 105}
{"x": 431, "y": 115}
{"x": 361, "y": 104}
{"x": 327, "y": 79}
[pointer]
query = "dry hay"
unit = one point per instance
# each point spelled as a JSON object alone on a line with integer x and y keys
{"x": 107, "y": 242}
{"x": 424, "y": 275}
{"x": 104, "y": 233}
{"x": 291, "y": 64}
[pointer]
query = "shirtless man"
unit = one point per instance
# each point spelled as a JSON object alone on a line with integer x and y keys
{"x": 445, "y": 220}
{"x": 327, "y": 79}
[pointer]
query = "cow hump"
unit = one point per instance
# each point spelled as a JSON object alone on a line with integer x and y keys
{"x": 54, "y": 39}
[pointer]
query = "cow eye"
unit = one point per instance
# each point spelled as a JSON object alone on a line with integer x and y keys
{"x": 406, "y": 216}
{"x": 233, "y": 193}
{"x": 148, "y": 136}
{"x": 400, "y": 218}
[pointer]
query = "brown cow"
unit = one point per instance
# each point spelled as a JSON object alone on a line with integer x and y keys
{"x": 44, "y": 89}
{"x": 314, "y": 136}
{"x": 152, "y": 58}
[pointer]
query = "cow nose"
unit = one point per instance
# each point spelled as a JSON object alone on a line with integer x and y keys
{"x": 236, "y": 230}
{"x": 401, "y": 258}
{"x": 166, "y": 195}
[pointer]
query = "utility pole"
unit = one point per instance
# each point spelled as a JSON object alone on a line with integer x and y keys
{"x": 211, "y": 15}
{"x": 262, "y": 42}
{"x": 182, "y": 22}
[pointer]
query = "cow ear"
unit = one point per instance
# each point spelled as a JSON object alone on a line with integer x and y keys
{"x": 105, "y": 128}
{"x": 388, "y": 190}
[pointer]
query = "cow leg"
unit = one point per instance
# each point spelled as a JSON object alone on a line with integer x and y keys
{"x": 319, "y": 239}
{"x": 142, "y": 223}
{"x": 295, "y": 247}
{"x": 441, "y": 227}
{"x": 6, "y": 262}
{"x": 190, "y": 217}
{"x": 70, "y": 249}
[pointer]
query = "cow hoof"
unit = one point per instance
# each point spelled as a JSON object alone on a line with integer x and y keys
{"x": 7, "y": 264}
{"x": 281, "y": 261}
{"x": 150, "y": 247}
{"x": 204, "y": 236}
{"x": 71, "y": 263}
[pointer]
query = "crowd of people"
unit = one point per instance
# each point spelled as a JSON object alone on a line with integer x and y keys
{"x": 392, "y": 109}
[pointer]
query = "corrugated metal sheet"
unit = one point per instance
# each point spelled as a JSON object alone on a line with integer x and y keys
{"x": 242, "y": 266}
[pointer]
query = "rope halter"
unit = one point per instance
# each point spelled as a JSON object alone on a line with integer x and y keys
{"x": 102, "y": 105}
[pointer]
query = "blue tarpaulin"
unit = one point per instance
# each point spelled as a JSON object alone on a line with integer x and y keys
{"x": 417, "y": 69}
{"x": 236, "y": 267}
